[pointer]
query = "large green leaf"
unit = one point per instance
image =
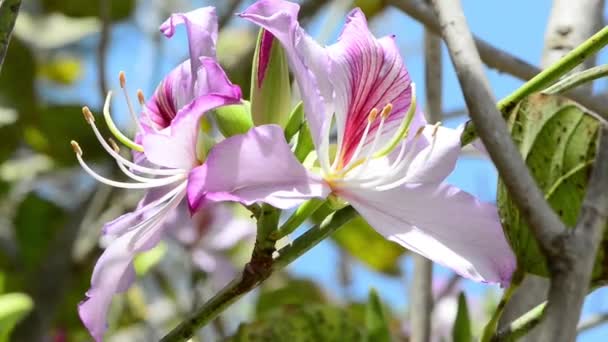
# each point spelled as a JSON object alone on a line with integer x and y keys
{"x": 361, "y": 241}
{"x": 293, "y": 292}
{"x": 557, "y": 139}
{"x": 13, "y": 307}
{"x": 303, "y": 323}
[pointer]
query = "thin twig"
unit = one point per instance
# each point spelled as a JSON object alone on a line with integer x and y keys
{"x": 8, "y": 15}
{"x": 421, "y": 289}
{"x": 521, "y": 326}
{"x": 592, "y": 322}
{"x": 228, "y": 13}
{"x": 491, "y": 127}
{"x": 448, "y": 288}
{"x": 499, "y": 59}
{"x": 251, "y": 277}
{"x": 572, "y": 264}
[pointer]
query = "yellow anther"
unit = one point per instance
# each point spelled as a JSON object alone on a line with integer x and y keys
{"x": 386, "y": 111}
{"x": 88, "y": 116}
{"x": 419, "y": 131}
{"x": 76, "y": 147}
{"x": 372, "y": 115}
{"x": 122, "y": 78}
{"x": 114, "y": 145}
{"x": 140, "y": 97}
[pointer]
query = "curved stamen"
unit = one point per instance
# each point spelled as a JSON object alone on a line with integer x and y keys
{"x": 370, "y": 153}
{"x": 161, "y": 172}
{"x": 403, "y": 130}
{"x": 127, "y": 172}
{"x": 124, "y": 185}
{"x": 115, "y": 131}
{"x": 324, "y": 146}
{"x": 370, "y": 119}
{"x": 158, "y": 217}
{"x": 123, "y": 86}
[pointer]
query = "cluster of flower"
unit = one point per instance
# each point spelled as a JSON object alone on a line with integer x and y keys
{"x": 386, "y": 161}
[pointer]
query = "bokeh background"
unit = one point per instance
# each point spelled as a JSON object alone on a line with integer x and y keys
{"x": 67, "y": 54}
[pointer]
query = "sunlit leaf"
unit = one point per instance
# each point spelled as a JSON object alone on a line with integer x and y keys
{"x": 62, "y": 70}
{"x": 360, "y": 240}
{"x": 294, "y": 292}
{"x": 13, "y": 307}
{"x": 145, "y": 261}
{"x": 461, "y": 332}
{"x": 557, "y": 139}
{"x": 370, "y": 7}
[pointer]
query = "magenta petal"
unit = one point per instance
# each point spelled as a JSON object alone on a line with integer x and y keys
{"x": 201, "y": 26}
{"x": 254, "y": 167}
{"x": 211, "y": 79}
{"x": 113, "y": 274}
{"x": 442, "y": 223}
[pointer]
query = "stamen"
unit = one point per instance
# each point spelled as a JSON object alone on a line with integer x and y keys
{"x": 115, "y": 131}
{"x": 403, "y": 130}
{"x": 124, "y": 185}
{"x": 88, "y": 116}
{"x": 140, "y": 97}
{"x": 370, "y": 119}
{"x": 130, "y": 164}
{"x": 324, "y": 146}
{"x": 370, "y": 152}
{"x": 386, "y": 111}
{"x": 436, "y": 128}
{"x": 114, "y": 145}
{"x": 123, "y": 85}
{"x": 126, "y": 171}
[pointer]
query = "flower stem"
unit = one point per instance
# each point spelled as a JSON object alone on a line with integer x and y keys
{"x": 577, "y": 79}
{"x": 545, "y": 78}
{"x": 297, "y": 218}
{"x": 521, "y": 326}
{"x": 252, "y": 276}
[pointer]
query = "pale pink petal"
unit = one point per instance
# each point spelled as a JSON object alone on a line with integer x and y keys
{"x": 442, "y": 223}
{"x": 201, "y": 27}
{"x": 254, "y": 167}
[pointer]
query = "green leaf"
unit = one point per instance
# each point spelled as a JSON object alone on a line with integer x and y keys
{"x": 233, "y": 119}
{"x": 304, "y": 145}
{"x": 370, "y": 7}
{"x": 119, "y": 9}
{"x": 13, "y": 307}
{"x": 461, "y": 332}
{"x": 375, "y": 320}
{"x": 361, "y": 241}
{"x": 302, "y": 323}
{"x": 270, "y": 85}
{"x": 294, "y": 292}
{"x": 557, "y": 138}
{"x": 36, "y": 224}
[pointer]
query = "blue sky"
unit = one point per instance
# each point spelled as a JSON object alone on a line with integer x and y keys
{"x": 515, "y": 26}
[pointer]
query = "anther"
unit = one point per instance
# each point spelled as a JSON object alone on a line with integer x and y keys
{"x": 372, "y": 115}
{"x": 114, "y": 145}
{"x": 140, "y": 97}
{"x": 386, "y": 111}
{"x": 88, "y": 116}
{"x": 76, "y": 147}
{"x": 122, "y": 78}
{"x": 419, "y": 131}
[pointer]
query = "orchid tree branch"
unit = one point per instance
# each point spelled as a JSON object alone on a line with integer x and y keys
{"x": 231, "y": 7}
{"x": 105, "y": 8}
{"x": 253, "y": 275}
{"x": 421, "y": 288}
{"x": 505, "y": 62}
{"x": 592, "y": 322}
{"x": 8, "y": 15}
{"x": 491, "y": 126}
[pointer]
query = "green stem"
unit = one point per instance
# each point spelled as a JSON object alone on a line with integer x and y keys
{"x": 545, "y": 78}
{"x": 8, "y": 15}
{"x": 297, "y": 218}
{"x": 577, "y": 79}
{"x": 522, "y": 325}
{"x": 251, "y": 277}
{"x": 490, "y": 328}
